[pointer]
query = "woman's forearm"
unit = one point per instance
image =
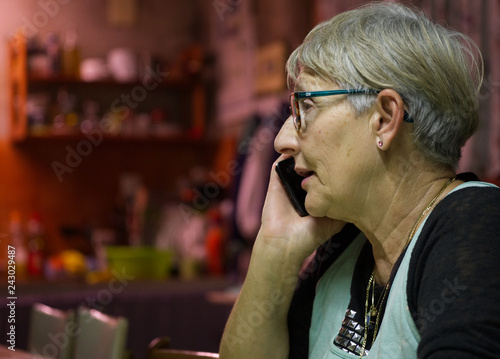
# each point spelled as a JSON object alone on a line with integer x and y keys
{"x": 257, "y": 326}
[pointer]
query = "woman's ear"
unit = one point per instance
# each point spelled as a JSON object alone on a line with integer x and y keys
{"x": 388, "y": 116}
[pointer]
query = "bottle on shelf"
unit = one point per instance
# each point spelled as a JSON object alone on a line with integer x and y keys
{"x": 53, "y": 54}
{"x": 17, "y": 241}
{"x": 36, "y": 245}
{"x": 71, "y": 54}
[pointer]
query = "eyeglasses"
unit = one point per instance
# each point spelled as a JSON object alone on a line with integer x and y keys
{"x": 296, "y": 96}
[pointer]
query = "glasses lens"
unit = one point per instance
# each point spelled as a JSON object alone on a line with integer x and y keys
{"x": 294, "y": 104}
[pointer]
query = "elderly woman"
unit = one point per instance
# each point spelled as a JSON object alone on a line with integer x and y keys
{"x": 406, "y": 251}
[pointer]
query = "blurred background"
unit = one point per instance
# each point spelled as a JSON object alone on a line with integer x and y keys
{"x": 131, "y": 125}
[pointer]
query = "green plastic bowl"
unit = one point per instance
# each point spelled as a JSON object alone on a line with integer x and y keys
{"x": 141, "y": 262}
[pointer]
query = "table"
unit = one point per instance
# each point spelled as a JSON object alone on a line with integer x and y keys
{"x": 178, "y": 309}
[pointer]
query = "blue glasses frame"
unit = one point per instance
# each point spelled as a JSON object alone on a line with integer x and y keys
{"x": 296, "y": 96}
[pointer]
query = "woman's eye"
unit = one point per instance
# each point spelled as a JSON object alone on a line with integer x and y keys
{"x": 307, "y": 104}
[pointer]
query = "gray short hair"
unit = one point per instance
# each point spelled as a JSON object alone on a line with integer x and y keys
{"x": 437, "y": 71}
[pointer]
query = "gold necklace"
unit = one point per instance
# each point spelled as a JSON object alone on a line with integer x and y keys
{"x": 375, "y": 310}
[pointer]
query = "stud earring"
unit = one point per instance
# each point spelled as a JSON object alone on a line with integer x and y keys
{"x": 380, "y": 143}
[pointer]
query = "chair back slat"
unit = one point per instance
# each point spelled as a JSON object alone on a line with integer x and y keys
{"x": 180, "y": 354}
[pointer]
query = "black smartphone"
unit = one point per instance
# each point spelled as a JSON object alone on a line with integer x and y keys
{"x": 291, "y": 181}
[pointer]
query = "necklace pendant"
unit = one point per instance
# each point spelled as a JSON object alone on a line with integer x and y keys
{"x": 371, "y": 315}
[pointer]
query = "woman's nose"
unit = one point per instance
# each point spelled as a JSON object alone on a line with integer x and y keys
{"x": 286, "y": 141}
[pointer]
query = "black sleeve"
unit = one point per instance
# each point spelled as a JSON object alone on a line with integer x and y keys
{"x": 454, "y": 277}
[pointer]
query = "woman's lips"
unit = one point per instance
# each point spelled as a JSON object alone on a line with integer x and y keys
{"x": 304, "y": 173}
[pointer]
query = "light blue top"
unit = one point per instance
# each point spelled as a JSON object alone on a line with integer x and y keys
{"x": 398, "y": 336}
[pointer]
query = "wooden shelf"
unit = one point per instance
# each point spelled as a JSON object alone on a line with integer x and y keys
{"x": 174, "y": 139}
{"x": 173, "y": 84}
{"x": 185, "y": 97}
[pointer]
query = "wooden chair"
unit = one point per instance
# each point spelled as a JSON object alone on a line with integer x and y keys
{"x": 180, "y": 354}
{"x": 159, "y": 348}
{"x": 100, "y": 336}
{"x": 51, "y": 332}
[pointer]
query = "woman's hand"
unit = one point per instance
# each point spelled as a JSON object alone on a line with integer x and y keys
{"x": 282, "y": 224}
{"x": 285, "y": 239}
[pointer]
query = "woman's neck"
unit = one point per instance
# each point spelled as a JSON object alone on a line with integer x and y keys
{"x": 397, "y": 211}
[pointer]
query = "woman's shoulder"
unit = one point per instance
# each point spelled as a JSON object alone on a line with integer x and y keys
{"x": 472, "y": 197}
{"x": 463, "y": 225}
{"x": 462, "y": 231}
{"x": 470, "y": 213}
